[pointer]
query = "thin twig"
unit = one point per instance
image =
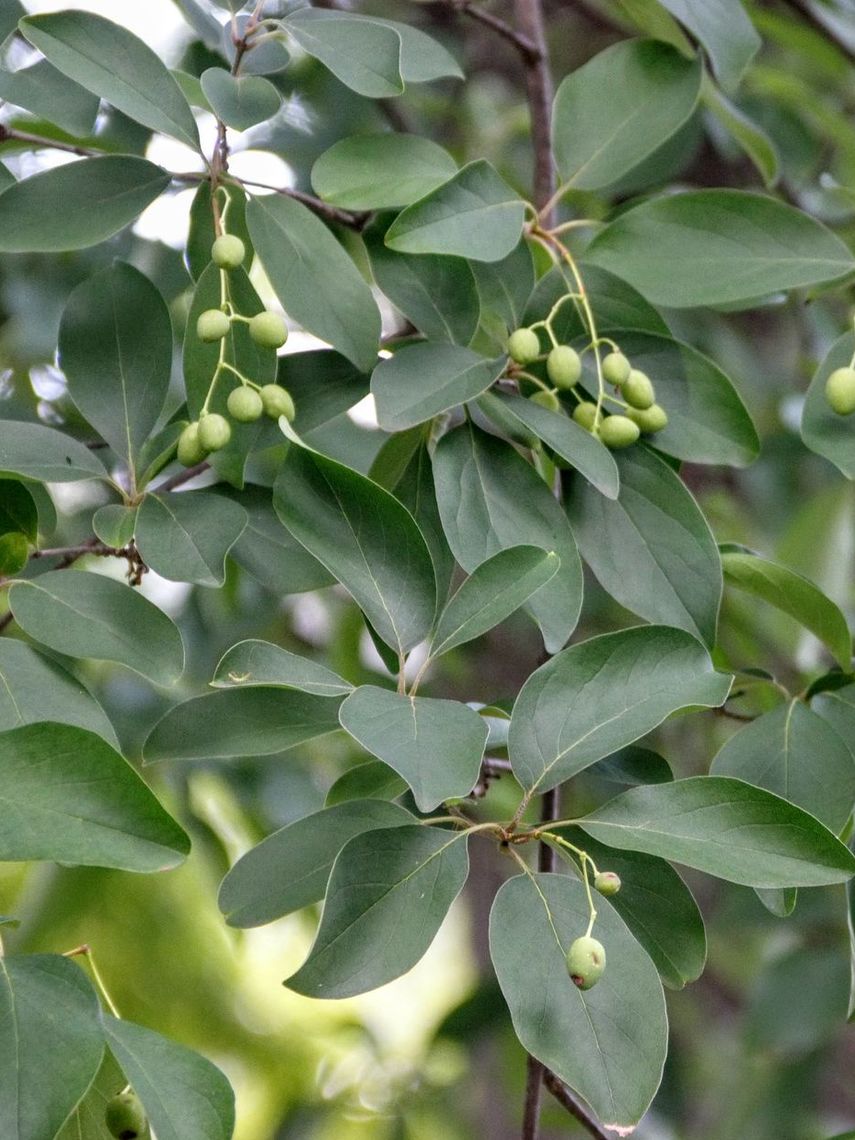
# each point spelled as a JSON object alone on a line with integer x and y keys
{"x": 11, "y": 134}
{"x": 349, "y": 218}
{"x": 566, "y": 1099}
{"x": 182, "y": 477}
{"x": 539, "y": 88}
{"x": 528, "y": 48}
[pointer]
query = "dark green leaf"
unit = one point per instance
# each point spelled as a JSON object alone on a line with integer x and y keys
{"x": 505, "y": 286}
{"x": 380, "y": 172}
{"x": 415, "y": 489}
{"x": 616, "y": 304}
{"x": 746, "y": 133}
{"x": 837, "y": 707}
{"x": 601, "y": 694}
{"x": 324, "y": 385}
{"x": 823, "y": 430}
{"x": 240, "y": 101}
{"x": 388, "y": 893}
{"x": 186, "y": 537}
{"x": 87, "y": 1121}
{"x": 40, "y": 452}
{"x": 368, "y": 781}
{"x": 633, "y": 765}
{"x": 69, "y": 797}
{"x": 260, "y": 663}
{"x": 363, "y": 53}
{"x": 724, "y": 30}
{"x": 18, "y": 511}
{"x": 202, "y": 234}
{"x": 423, "y": 380}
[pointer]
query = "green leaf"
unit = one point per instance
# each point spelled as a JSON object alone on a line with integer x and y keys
{"x": 490, "y": 499}
{"x": 707, "y": 420}
{"x": 366, "y": 538}
{"x": 114, "y": 524}
{"x": 78, "y": 204}
{"x": 388, "y": 893}
{"x": 115, "y": 347}
{"x": 88, "y": 615}
{"x": 566, "y": 438}
{"x": 18, "y": 511}
{"x": 14, "y": 553}
{"x": 799, "y": 1000}
{"x": 651, "y": 548}
{"x": 604, "y": 693}
{"x": 415, "y": 489}
{"x": 422, "y": 57}
{"x": 770, "y": 842}
{"x": 380, "y": 172}
{"x": 837, "y": 708}
{"x": 797, "y": 755}
{"x": 240, "y": 722}
{"x": 495, "y": 590}
{"x": 39, "y": 452}
{"x": 290, "y": 868}
{"x": 607, "y": 1043}
{"x": 184, "y": 1096}
{"x": 633, "y": 765}
{"x": 240, "y": 101}
{"x": 435, "y": 745}
{"x": 363, "y": 53}
{"x": 316, "y": 281}
{"x": 324, "y": 385}
{"x": 793, "y": 595}
{"x": 750, "y": 137}
{"x": 34, "y": 688}
{"x": 201, "y": 235}
{"x": 372, "y": 780}
{"x": 716, "y": 247}
{"x": 69, "y": 797}
{"x": 474, "y": 214}
{"x": 185, "y": 537}
{"x": 423, "y": 380}
{"x": 653, "y": 90}
{"x": 724, "y": 30}
{"x": 87, "y": 1121}
{"x": 115, "y": 65}
{"x": 48, "y": 94}
{"x": 50, "y": 1043}
{"x": 616, "y": 304}
{"x": 504, "y": 286}
{"x": 260, "y": 663}
{"x": 823, "y": 430}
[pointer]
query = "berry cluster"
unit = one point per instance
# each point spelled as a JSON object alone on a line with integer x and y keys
{"x": 248, "y": 401}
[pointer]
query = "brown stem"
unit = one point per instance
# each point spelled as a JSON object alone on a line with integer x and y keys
{"x": 349, "y": 218}
{"x": 10, "y": 134}
{"x": 538, "y": 77}
{"x": 566, "y": 1099}
{"x": 182, "y": 477}
{"x": 527, "y": 47}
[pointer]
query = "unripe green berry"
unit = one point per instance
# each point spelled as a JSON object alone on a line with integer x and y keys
{"x": 546, "y": 400}
{"x": 637, "y": 390}
{"x": 14, "y": 552}
{"x": 607, "y": 882}
{"x": 585, "y": 414}
{"x": 212, "y": 325}
{"x": 651, "y": 419}
{"x": 214, "y": 431}
{"x": 268, "y": 330}
{"x": 563, "y": 366}
{"x": 125, "y": 1117}
{"x": 228, "y": 251}
{"x": 616, "y": 368}
{"x": 618, "y": 431}
{"x": 586, "y": 961}
{"x": 190, "y": 450}
{"x": 523, "y": 346}
{"x": 840, "y": 391}
{"x": 277, "y": 402}
{"x": 244, "y": 404}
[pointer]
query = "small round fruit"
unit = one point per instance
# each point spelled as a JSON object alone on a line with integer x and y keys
{"x": 619, "y": 431}
{"x": 228, "y": 251}
{"x": 125, "y": 1117}
{"x": 616, "y": 368}
{"x": 585, "y": 414}
{"x": 212, "y": 325}
{"x": 840, "y": 391}
{"x": 277, "y": 402}
{"x": 607, "y": 882}
{"x": 546, "y": 400}
{"x": 524, "y": 346}
{"x": 651, "y": 419}
{"x": 244, "y": 404}
{"x": 268, "y": 330}
{"x": 637, "y": 390}
{"x": 563, "y": 366}
{"x": 190, "y": 450}
{"x": 586, "y": 961}
{"x": 214, "y": 431}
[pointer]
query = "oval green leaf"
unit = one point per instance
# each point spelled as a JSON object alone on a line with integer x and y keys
{"x": 380, "y": 172}
{"x": 424, "y": 380}
{"x": 43, "y": 453}
{"x": 240, "y": 101}
{"x": 260, "y": 663}
{"x": 363, "y": 53}
{"x": 185, "y": 537}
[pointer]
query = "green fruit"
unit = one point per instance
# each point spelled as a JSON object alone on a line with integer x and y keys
{"x": 190, "y": 450}
{"x": 654, "y": 418}
{"x": 585, "y": 414}
{"x": 277, "y": 402}
{"x": 212, "y": 325}
{"x": 244, "y": 404}
{"x": 14, "y": 552}
{"x": 563, "y": 366}
{"x": 616, "y": 368}
{"x": 607, "y": 882}
{"x": 228, "y": 252}
{"x": 523, "y": 346}
{"x": 125, "y": 1116}
{"x": 619, "y": 431}
{"x": 214, "y": 432}
{"x": 637, "y": 390}
{"x": 586, "y": 961}
{"x": 546, "y": 400}
{"x": 268, "y": 330}
{"x": 840, "y": 391}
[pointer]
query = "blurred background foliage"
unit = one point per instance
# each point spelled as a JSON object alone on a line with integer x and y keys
{"x": 757, "y": 1048}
